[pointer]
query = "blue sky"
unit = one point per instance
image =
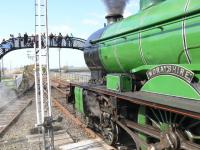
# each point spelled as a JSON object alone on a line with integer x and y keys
{"x": 79, "y": 17}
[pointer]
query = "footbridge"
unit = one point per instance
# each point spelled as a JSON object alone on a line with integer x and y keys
{"x": 56, "y": 42}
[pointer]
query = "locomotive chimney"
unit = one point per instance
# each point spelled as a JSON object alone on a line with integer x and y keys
{"x": 115, "y": 10}
{"x": 113, "y": 18}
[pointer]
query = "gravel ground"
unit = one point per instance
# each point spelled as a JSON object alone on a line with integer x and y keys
{"x": 15, "y": 137}
{"x": 75, "y": 131}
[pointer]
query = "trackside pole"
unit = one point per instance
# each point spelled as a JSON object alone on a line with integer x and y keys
{"x": 42, "y": 82}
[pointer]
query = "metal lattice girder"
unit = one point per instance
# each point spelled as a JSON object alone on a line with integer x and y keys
{"x": 42, "y": 81}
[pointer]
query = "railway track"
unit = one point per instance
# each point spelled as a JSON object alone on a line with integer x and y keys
{"x": 67, "y": 113}
{"x": 10, "y": 111}
{"x": 60, "y": 104}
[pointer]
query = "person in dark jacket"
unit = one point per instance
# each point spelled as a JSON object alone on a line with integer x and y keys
{"x": 71, "y": 40}
{"x": 67, "y": 40}
{"x": 19, "y": 40}
{"x": 3, "y": 41}
{"x": 25, "y": 39}
{"x": 51, "y": 36}
{"x": 60, "y": 38}
{"x": 12, "y": 39}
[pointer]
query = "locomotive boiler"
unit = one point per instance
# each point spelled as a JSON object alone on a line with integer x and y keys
{"x": 145, "y": 72}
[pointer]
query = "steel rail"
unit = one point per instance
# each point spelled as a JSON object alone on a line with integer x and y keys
{"x": 12, "y": 113}
{"x": 67, "y": 114}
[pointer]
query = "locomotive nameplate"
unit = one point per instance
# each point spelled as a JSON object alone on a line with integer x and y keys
{"x": 175, "y": 70}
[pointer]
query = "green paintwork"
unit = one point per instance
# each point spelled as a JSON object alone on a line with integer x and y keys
{"x": 193, "y": 39}
{"x": 198, "y": 75}
{"x": 161, "y": 37}
{"x": 144, "y": 4}
{"x": 79, "y": 99}
{"x": 119, "y": 82}
{"x": 171, "y": 85}
{"x": 142, "y": 120}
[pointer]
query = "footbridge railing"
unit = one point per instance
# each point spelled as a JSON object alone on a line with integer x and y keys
{"x": 55, "y": 42}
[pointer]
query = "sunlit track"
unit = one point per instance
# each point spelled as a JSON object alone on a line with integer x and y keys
{"x": 10, "y": 111}
{"x": 67, "y": 113}
{"x": 62, "y": 87}
{"x": 64, "y": 110}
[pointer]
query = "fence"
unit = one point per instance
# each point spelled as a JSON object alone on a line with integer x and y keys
{"x": 76, "y": 77}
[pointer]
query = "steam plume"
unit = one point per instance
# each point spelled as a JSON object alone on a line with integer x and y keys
{"x": 115, "y": 6}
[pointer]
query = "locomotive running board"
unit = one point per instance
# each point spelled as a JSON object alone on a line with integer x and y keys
{"x": 184, "y": 106}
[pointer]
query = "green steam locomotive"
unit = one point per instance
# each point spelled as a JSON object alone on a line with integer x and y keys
{"x": 145, "y": 77}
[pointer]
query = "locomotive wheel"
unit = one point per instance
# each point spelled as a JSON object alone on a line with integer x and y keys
{"x": 110, "y": 133}
{"x": 177, "y": 132}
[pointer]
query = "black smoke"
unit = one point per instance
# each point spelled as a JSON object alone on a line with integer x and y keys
{"x": 115, "y": 6}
